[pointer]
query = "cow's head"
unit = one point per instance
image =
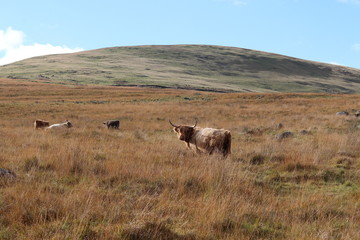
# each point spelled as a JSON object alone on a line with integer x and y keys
{"x": 68, "y": 124}
{"x": 184, "y": 132}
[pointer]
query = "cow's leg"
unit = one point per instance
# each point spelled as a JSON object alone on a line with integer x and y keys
{"x": 211, "y": 150}
{"x": 198, "y": 151}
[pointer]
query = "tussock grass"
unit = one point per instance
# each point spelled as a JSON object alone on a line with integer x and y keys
{"x": 140, "y": 182}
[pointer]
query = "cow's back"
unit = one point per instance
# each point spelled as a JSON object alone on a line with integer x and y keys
{"x": 212, "y": 137}
{"x": 112, "y": 124}
{"x": 40, "y": 124}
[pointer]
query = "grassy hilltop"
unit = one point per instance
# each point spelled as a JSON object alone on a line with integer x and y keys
{"x": 141, "y": 182}
{"x": 200, "y": 67}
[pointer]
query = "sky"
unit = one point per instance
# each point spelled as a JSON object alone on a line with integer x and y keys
{"x": 319, "y": 30}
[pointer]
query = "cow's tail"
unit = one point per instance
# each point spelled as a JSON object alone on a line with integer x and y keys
{"x": 227, "y": 144}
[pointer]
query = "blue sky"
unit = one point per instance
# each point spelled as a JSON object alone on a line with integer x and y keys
{"x": 319, "y": 30}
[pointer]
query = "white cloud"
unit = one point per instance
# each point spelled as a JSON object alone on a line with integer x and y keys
{"x": 10, "y": 38}
{"x": 12, "y": 43}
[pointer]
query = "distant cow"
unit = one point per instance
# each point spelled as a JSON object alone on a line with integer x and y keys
{"x": 66, "y": 124}
{"x": 41, "y": 124}
{"x": 357, "y": 113}
{"x": 342, "y": 113}
{"x": 207, "y": 140}
{"x": 112, "y": 124}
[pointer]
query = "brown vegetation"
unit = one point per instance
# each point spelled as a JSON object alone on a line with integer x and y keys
{"x": 140, "y": 182}
{"x": 195, "y": 67}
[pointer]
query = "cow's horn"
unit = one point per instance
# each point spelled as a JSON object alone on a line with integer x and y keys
{"x": 195, "y": 124}
{"x": 173, "y": 124}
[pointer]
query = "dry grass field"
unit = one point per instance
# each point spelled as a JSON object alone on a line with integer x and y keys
{"x": 140, "y": 182}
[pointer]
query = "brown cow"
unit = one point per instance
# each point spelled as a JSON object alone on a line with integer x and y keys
{"x": 207, "y": 140}
{"x": 41, "y": 124}
{"x": 112, "y": 124}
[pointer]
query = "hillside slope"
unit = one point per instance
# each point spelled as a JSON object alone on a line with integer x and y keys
{"x": 201, "y": 67}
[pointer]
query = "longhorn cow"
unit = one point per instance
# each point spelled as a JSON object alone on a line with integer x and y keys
{"x": 208, "y": 140}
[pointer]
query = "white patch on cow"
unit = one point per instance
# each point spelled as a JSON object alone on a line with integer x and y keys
{"x": 66, "y": 124}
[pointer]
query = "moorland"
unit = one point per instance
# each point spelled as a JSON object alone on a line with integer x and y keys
{"x": 141, "y": 182}
{"x": 196, "y": 67}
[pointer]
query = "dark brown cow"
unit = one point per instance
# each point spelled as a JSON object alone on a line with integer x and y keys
{"x": 207, "y": 140}
{"x": 41, "y": 124}
{"x": 112, "y": 124}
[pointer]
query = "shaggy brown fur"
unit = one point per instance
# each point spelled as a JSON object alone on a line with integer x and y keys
{"x": 207, "y": 140}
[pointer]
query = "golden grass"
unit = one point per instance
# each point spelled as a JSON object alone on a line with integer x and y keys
{"x": 140, "y": 182}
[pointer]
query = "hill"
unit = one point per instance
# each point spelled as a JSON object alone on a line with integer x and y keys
{"x": 200, "y": 67}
